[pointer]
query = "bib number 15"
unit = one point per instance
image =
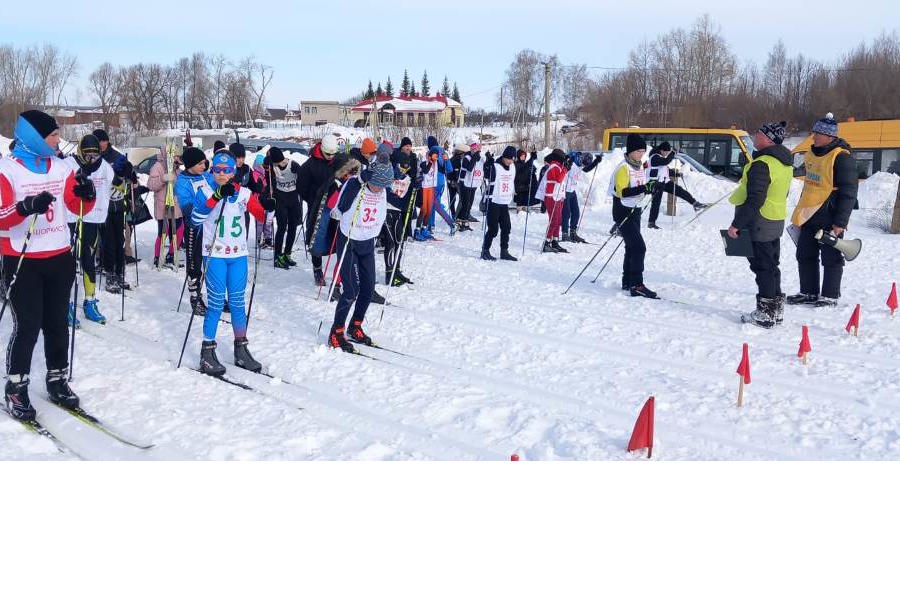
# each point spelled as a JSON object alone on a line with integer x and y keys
{"x": 236, "y": 227}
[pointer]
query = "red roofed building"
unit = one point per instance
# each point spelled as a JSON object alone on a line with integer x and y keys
{"x": 410, "y": 111}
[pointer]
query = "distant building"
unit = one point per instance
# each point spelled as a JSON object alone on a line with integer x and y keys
{"x": 281, "y": 115}
{"x": 410, "y": 111}
{"x": 320, "y": 112}
{"x": 85, "y": 115}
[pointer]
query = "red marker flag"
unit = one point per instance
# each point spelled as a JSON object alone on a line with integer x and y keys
{"x": 642, "y": 436}
{"x": 892, "y": 299}
{"x": 744, "y": 368}
{"x": 805, "y": 346}
{"x": 854, "y": 322}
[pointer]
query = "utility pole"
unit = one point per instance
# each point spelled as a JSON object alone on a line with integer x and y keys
{"x": 546, "y": 104}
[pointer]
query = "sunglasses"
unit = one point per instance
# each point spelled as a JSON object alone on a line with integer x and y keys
{"x": 223, "y": 170}
{"x": 90, "y": 156}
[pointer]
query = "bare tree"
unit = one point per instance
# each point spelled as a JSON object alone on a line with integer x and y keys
{"x": 106, "y": 85}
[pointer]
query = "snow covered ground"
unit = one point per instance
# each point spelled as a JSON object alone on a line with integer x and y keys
{"x": 501, "y": 361}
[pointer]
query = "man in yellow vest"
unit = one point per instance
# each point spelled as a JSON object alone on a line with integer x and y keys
{"x": 828, "y": 197}
{"x": 760, "y": 202}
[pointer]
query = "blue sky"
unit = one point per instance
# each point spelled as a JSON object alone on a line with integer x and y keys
{"x": 329, "y": 50}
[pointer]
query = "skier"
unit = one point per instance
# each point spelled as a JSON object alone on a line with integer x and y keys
{"x": 405, "y": 165}
{"x": 165, "y": 212}
{"x": 434, "y": 170}
{"x": 581, "y": 163}
{"x": 628, "y": 185}
{"x": 361, "y": 211}
{"x": 471, "y": 176}
{"x": 85, "y": 229}
{"x": 829, "y": 195}
{"x": 501, "y": 182}
{"x": 664, "y": 172}
{"x": 325, "y": 238}
{"x": 551, "y": 190}
{"x": 190, "y": 181}
{"x": 37, "y": 191}
{"x": 525, "y": 179}
{"x": 113, "y": 231}
{"x": 316, "y": 175}
{"x": 225, "y": 255}
{"x": 266, "y": 232}
{"x": 760, "y": 202}
{"x": 107, "y": 151}
{"x": 453, "y": 189}
{"x": 288, "y": 211}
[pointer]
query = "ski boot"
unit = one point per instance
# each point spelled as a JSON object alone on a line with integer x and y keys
{"x": 486, "y": 255}
{"x": 565, "y": 236}
{"x": 653, "y": 225}
{"x": 156, "y": 263}
{"x": 574, "y": 237}
{"x": 290, "y": 261}
{"x": 643, "y": 291}
{"x": 209, "y": 362}
{"x": 92, "y": 313}
{"x": 73, "y": 318}
{"x": 123, "y": 284}
{"x": 427, "y": 234}
{"x": 336, "y": 339}
{"x": 557, "y": 247}
{"x": 505, "y": 255}
{"x": 319, "y": 277}
{"x": 198, "y": 306}
{"x": 826, "y": 302}
{"x": 17, "y": 401}
{"x": 281, "y": 262}
{"x": 802, "y": 298}
{"x": 357, "y": 334}
{"x": 402, "y": 277}
{"x": 376, "y": 298}
{"x": 170, "y": 261}
{"x": 336, "y": 293}
{"x": 112, "y": 284}
{"x": 764, "y": 315}
{"x": 130, "y": 260}
{"x": 548, "y": 247}
{"x": 779, "y": 309}
{"x": 58, "y": 390}
{"x": 698, "y": 206}
{"x": 243, "y": 358}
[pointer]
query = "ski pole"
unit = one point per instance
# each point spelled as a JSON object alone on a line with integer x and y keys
{"x": 124, "y": 225}
{"x": 398, "y": 254}
{"x": 613, "y": 253}
{"x": 12, "y": 281}
{"x": 700, "y": 213}
{"x": 255, "y": 271}
{"x": 617, "y": 225}
{"x": 587, "y": 197}
{"x": 75, "y": 302}
{"x": 137, "y": 272}
{"x": 224, "y": 201}
{"x": 328, "y": 262}
{"x": 528, "y": 204}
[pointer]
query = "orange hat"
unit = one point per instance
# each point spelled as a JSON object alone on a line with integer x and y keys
{"x": 369, "y": 146}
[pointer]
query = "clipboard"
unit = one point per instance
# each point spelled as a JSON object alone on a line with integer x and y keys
{"x": 742, "y": 246}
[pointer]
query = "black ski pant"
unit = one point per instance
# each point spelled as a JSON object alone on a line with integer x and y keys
{"x": 668, "y": 187}
{"x": 453, "y": 195}
{"x": 39, "y": 303}
{"x": 193, "y": 258}
{"x": 90, "y": 233}
{"x": 392, "y": 240}
{"x": 466, "y": 200}
{"x": 809, "y": 252}
{"x": 288, "y": 213}
{"x": 497, "y": 218}
{"x": 629, "y": 221}
{"x": 114, "y": 239}
{"x": 764, "y": 264}
{"x": 357, "y": 279}
{"x": 570, "y": 212}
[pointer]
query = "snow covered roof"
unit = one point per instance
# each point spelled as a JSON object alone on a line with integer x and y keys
{"x": 410, "y": 103}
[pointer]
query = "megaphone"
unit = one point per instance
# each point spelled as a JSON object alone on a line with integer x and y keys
{"x": 849, "y": 248}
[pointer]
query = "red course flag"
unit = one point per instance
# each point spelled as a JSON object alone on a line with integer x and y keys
{"x": 892, "y": 299}
{"x": 744, "y": 368}
{"x": 805, "y": 346}
{"x": 514, "y": 457}
{"x": 854, "y": 321}
{"x": 642, "y": 436}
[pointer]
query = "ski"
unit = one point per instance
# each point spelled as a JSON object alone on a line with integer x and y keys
{"x": 89, "y": 419}
{"x": 377, "y": 347}
{"x": 225, "y": 379}
{"x": 36, "y": 428}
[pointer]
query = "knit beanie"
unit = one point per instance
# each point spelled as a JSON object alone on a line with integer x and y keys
{"x": 826, "y": 126}
{"x": 276, "y": 155}
{"x": 101, "y": 135}
{"x": 405, "y": 142}
{"x": 237, "y": 149}
{"x": 634, "y": 142}
{"x": 382, "y": 174}
{"x": 774, "y": 131}
{"x": 89, "y": 143}
{"x": 219, "y": 145}
{"x": 509, "y": 152}
{"x": 664, "y": 147}
{"x": 223, "y": 158}
{"x": 43, "y": 123}
{"x": 368, "y": 147}
{"x": 192, "y": 156}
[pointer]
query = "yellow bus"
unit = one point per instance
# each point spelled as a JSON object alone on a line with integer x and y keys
{"x": 722, "y": 151}
{"x": 875, "y": 144}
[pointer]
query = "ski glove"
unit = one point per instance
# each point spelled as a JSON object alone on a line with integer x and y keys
{"x": 84, "y": 188}
{"x": 226, "y": 190}
{"x": 35, "y": 205}
{"x": 648, "y": 187}
{"x": 267, "y": 202}
{"x": 140, "y": 190}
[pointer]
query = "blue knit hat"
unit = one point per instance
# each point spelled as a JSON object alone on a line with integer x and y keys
{"x": 381, "y": 174}
{"x": 223, "y": 158}
{"x": 826, "y": 126}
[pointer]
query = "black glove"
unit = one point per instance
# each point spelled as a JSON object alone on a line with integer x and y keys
{"x": 533, "y": 155}
{"x": 84, "y": 188}
{"x": 597, "y": 159}
{"x": 267, "y": 202}
{"x": 140, "y": 190}
{"x": 254, "y": 186}
{"x": 488, "y": 156}
{"x": 35, "y": 205}
{"x": 226, "y": 190}
{"x": 649, "y": 186}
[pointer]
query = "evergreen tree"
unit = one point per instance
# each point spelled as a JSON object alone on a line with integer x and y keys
{"x": 425, "y": 89}
{"x": 445, "y": 89}
{"x": 404, "y": 87}
{"x": 412, "y": 88}
{"x": 389, "y": 87}
{"x": 370, "y": 93}
{"x": 455, "y": 94}
{"x": 379, "y": 91}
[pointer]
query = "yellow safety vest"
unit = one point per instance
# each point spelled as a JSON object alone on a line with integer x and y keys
{"x": 818, "y": 184}
{"x": 775, "y": 206}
